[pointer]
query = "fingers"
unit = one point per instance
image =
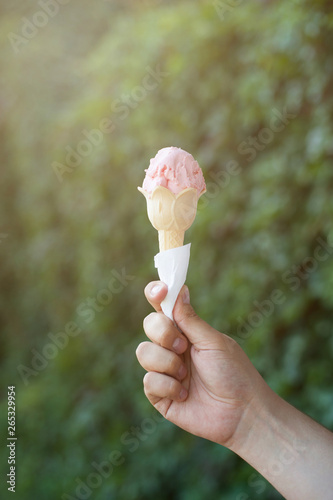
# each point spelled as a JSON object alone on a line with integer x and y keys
{"x": 158, "y": 386}
{"x": 155, "y": 358}
{"x": 155, "y": 292}
{"x": 162, "y": 331}
{"x": 161, "y": 357}
{"x": 198, "y": 332}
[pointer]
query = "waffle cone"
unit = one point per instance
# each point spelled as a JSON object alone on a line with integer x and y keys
{"x": 171, "y": 214}
{"x": 170, "y": 239}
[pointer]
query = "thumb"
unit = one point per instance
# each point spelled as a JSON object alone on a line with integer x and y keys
{"x": 198, "y": 332}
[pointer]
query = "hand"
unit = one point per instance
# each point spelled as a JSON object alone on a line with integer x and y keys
{"x": 202, "y": 381}
{"x": 198, "y": 378}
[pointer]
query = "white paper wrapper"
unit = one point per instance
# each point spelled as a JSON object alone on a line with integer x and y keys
{"x": 172, "y": 268}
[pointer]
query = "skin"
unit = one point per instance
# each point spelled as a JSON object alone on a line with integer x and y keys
{"x": 202, "y": 381}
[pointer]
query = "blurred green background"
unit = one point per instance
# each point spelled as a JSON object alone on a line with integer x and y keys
{"x": 89, "y": 92}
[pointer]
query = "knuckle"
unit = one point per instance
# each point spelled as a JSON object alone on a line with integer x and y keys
{"x": 147, "y": 380}
{"x": 190, "y": 315}
{"x": 165, "y": 331}
{"x": 146, "y": 390}
{"x": 146, "y": 289}
{"x": 173, "y": 364}
{"x": 149, "y": 321}
{"x": 231, "y": 344}
{"x": 158, "y": 327}
{"x": 140, "y": 350}
{"x": 164, "y": 336}
{"x": 174, "y": 388}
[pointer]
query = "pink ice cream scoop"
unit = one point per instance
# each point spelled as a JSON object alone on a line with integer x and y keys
{"x": 172, "y": 187}
{"x": 174, "y": 169}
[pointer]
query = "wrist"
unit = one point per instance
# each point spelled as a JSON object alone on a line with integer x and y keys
{"x": 276, "y": 439}
{"x": 293, "y": 452}
{"x": 257, "y": 419}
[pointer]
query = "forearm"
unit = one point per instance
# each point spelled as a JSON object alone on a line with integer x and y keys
{"x": 294, "y": 453}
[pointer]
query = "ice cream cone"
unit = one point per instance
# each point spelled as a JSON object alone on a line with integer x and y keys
{"x": 171, "y": 214}
{"x": 172, "y": 186}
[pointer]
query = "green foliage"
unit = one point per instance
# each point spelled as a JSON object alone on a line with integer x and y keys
{"x": 222, "y": 78}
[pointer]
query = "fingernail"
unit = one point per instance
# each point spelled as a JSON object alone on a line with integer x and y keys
{"x": 179, "y": 345}
{"x": 183, "y": 393}
{"x": 156, "y": 290}
{"x": 186, "y": 296}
